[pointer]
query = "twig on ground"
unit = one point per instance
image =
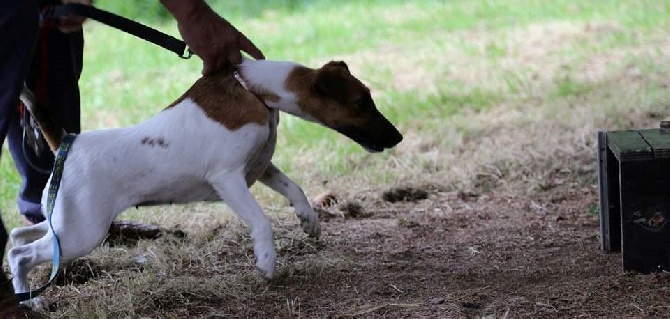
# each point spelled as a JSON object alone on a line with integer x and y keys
{"x": 396, "y": 288}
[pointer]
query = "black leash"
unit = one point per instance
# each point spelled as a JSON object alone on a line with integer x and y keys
{"x": 124, "y": 24}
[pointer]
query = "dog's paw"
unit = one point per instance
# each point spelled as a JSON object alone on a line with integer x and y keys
{"x": 36, "y": 304}
{"x": 310, "y": 222}
{"x": 266, "y": 259}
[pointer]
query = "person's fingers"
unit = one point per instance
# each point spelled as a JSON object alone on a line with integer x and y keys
{"x": 235, "y": 57}
{"x": 226, "y": 67}
{"x": 249, "y": 47}
{"x": 208, "y": 66}
{"x": 224, "y": 52}
{"x": 70, "y": 24}
{"x": 221, "y": 64}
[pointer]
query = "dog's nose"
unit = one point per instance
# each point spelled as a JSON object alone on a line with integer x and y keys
{"x": 394, "y": 138}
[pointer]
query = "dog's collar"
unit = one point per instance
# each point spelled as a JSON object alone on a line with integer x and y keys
{"x": 54, "y": 184}
{"x": 242, "y": 82}
{"x": 245, "y": 85}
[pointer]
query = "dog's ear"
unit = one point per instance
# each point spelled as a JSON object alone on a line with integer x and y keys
{"x": 331, "y": 80}
{"x": 338, "y": 64}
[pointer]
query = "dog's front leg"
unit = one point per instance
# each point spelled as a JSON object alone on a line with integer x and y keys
{"x": 282, "y": 184}
{"x": 234, "y": 190}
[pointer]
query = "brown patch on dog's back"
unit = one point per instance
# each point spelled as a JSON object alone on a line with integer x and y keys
{"x": 224, "y": 100}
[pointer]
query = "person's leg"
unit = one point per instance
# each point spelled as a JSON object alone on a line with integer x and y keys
{"x": 53, "y": 78}
{"x": 19, "y": 24}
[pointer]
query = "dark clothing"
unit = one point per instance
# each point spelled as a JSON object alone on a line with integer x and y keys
{"x": 53, "y": 77}
{"x": 19, "y": 26}
{"x": 49, "y": 62}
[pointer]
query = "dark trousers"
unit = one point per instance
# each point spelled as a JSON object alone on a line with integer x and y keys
{"x": 49, "y": 62}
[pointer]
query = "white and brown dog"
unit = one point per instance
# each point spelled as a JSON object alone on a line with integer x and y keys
{"x": 212, "y": 144}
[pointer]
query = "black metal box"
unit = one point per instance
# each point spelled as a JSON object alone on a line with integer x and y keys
{"x": 634, "y": 178}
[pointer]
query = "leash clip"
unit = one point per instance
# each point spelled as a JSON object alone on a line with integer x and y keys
{"x": 187, "y": 54}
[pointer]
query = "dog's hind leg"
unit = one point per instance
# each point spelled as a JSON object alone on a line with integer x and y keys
{"x": 22, "y": 259}
{"x": 282, "y": 184}
{"x": 24, "y": 235}
{"x": 79, "y": 232}
{"x": 234, "y": 191}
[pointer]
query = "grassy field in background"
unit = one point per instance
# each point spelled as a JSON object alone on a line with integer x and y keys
{"x": 427, "y": 62}
{"x": 499, "y": 102}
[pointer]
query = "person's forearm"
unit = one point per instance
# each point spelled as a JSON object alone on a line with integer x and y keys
{"x": 217, "y": 42}
{"x": 182, "y": 10}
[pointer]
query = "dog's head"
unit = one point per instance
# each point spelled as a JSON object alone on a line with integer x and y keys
{"x": 336, "y": 99}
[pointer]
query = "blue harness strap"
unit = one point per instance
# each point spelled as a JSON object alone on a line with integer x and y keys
{"x": 56, "y": 177}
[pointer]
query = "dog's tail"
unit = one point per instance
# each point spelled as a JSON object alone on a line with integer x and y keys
{"x": 53, "y": 133}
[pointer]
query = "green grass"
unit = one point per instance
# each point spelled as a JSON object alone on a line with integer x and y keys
{"x": 498, "y": 99}
{"x": 427, "y": 62}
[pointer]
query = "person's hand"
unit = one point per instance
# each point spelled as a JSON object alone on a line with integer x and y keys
{"x": 72, "y": 23}
{"x": 209, "y": 36}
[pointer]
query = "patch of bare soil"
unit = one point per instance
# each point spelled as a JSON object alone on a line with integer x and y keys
{"x": 456, "y": 254}
{"x": 474, "y": 256}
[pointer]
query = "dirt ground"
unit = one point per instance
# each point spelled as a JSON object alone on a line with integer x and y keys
{"x": 477, "y": 255}
{"x": 453, "y": 254}
{"x": 474, "y": 256}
